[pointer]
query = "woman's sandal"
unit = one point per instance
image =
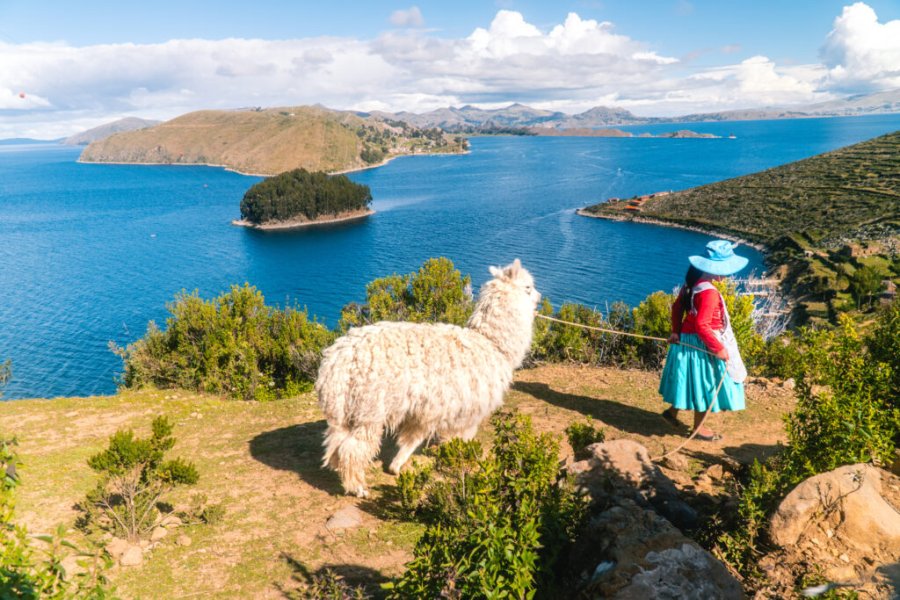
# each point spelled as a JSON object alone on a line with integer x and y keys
{"x": 715, "y": 437}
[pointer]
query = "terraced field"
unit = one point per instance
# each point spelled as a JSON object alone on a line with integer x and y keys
{"x": 821, "y": 218}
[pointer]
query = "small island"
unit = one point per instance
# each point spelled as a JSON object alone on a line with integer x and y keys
{"x": 299, "y": 198}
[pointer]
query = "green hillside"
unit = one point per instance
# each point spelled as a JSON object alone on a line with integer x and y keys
{"x": 271, "y": 141}
{"x": 821, "y": 219}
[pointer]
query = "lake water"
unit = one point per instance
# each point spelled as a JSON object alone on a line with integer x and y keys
{"x": 91, "y": 253}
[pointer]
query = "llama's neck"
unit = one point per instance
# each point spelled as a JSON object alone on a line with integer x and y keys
{"x": 507, "y": 325}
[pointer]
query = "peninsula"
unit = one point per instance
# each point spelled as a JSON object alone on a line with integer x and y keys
{"x": 270, "y": 141}
{"x": 299, "y": 198}
{"x": 823, "y": 221}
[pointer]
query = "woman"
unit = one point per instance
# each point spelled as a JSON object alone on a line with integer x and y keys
{"x": 700, "y": 320}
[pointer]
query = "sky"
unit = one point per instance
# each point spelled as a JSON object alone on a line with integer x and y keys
{"x": 68, "y": 66}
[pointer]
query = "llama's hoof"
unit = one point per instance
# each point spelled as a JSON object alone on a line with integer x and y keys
{"x": 395, "y": 469}
{"x": 361, "y": 492}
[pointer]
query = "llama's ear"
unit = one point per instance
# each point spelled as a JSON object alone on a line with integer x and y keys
{"x": 512, "y": 270}
{"x": 496, "y": 272}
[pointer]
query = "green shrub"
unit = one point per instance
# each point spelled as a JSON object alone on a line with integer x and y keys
{"x": 884, "y": 344}
{"x": 299, "y": 193}
{"x": 865, "y": 283}
{"x": 133, "y": 479}
{"x": 498, "y": 525}
{"x": 233, "y": 345}
{"x": 582, "y": 434}
{"x": 652, "y": 317}
{"x": 846, "y": 413}
{"x": 33, "y": 573}
{"x": 5, "y": 374}
{"x": 437, "y": 292}
{"x": 558, "y": 342}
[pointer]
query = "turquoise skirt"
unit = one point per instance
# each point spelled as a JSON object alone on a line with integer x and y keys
{"x": 690, "y": 377}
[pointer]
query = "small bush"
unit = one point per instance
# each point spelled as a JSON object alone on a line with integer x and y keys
{"x": 497, "y": 526}
{"x": 233, "y": 345}
{"x": 134, "y": 478}
{"x": 558, "y": 342}
{"x": 582, "y": 434}
{"x": 437, "y": 292}
{"x": 652, "y": 317}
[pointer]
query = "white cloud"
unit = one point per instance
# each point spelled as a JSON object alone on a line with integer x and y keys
{"x": 861, "y": 53}
{"x": 571, "y": 66}
{"x": 411, "y": 17}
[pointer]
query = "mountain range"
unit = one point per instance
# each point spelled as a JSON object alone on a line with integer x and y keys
{"x": 471, "y": 118}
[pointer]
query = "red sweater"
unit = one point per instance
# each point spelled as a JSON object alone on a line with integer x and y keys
{"x": 709, "y": 318}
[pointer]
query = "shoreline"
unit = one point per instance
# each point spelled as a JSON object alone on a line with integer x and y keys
{"x": 299, "y": 224}
{"x": 695, "y": 228}
{"x": 233, "y": 170}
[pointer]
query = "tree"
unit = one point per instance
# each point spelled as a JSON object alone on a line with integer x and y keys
{"x": 864, "y": 284}
{"x": 301, "y": 194}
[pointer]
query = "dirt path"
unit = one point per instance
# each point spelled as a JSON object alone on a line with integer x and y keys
{"x": 261, "y": 460}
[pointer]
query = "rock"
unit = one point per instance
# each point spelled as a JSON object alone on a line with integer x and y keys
{"x": 132, "y": 557}
{"x": 345, "y": 518}
{"x": 117, "y": 547}
{"x": 171, "y": 521}
{"x": 677, "y": 462}
{"x": 622, "y": 468}
{"x": 158, "y": 533}
{"x": 632, "y": 553}
{"x": 789, "y": 383}
{"x": 716, "y": 472}
{"x": 847, "y": 500}
{"x": 183, "y": 540}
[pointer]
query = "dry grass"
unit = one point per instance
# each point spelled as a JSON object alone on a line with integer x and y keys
{"x": 263, "y": 142}
{"x": 262, "y": 461}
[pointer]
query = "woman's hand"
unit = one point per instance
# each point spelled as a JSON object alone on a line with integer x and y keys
{"x": 674, "y": 338}
{"x": 722, "y": 354}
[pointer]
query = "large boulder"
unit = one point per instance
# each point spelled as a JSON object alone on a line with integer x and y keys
{"x": 632, "y": 553}
{"x": 841, "y": 522}
{"x": 848, "y": 503}
{"x": 622, "y": 469}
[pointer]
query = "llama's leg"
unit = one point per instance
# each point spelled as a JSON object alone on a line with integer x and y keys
{"x": 408, "y": 439}
{"x": 350, "y": 452}
{"x": 469, "y": 434}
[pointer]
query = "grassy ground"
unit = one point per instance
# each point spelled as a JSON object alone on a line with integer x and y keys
{"x": 262, "y": 461}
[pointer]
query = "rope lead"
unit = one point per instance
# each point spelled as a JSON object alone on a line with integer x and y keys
{"x": 657, "y": 339}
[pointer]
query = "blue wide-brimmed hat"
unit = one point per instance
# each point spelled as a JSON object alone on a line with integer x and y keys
{"x": 721, "y": 260}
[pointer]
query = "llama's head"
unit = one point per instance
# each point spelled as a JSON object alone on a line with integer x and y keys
{"x": 504, "y": 312}
{"x": 516, "y": 281}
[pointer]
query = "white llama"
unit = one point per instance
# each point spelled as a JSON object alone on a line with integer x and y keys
{"x": 422, "y": 380}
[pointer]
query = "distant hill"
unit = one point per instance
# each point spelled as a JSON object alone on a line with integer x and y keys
{"x": 470, "y": 118}
{"x": 821, "y": 218}
{"x": 104, "y": 131}
{"x": 271, "y": 141}
{"x": 25, "y": 141}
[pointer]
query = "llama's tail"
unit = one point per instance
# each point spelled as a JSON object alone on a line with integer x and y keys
{"x": 350, "y": 452}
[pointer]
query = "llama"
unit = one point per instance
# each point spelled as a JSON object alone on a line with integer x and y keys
{"x": 422, "y": 380}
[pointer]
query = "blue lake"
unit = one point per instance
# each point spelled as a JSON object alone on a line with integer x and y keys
{"x": 91, "y": 253}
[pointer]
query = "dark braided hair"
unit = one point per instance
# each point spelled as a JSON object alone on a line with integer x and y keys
{"x": 686, "y": 294}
